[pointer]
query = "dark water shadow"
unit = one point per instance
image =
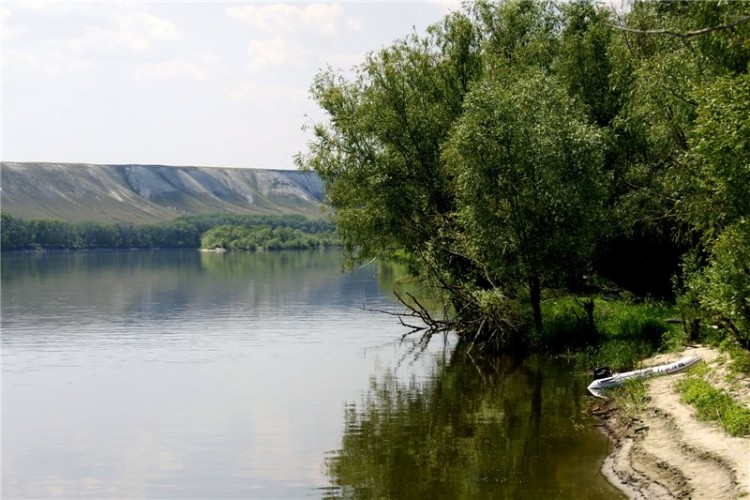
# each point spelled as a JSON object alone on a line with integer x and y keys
{"x": 494, "y": 428}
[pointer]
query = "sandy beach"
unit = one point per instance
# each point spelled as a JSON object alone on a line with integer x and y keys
{"x": 665, "y": 452}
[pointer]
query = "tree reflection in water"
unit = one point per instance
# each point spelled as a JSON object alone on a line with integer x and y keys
{"x": 477, "y": 429}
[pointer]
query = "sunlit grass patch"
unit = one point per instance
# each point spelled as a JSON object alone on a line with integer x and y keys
{"x": 715, "y": 405}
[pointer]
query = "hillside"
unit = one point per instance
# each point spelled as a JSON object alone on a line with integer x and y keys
{"x": 152, "y": 193}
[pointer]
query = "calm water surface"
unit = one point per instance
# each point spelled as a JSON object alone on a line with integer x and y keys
{"x": 177, "y": 374}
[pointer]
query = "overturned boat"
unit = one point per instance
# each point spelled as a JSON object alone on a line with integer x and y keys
{"x": 605, "y": 380}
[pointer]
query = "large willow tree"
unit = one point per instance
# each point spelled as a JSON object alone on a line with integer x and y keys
{"x": 495, "y": 152}
{"x": 529, "y": 182}
{"x": 380, "y": 152}
{"x": 399, "y": 187}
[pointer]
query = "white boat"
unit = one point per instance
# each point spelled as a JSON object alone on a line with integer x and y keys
{"x": 597, "y": 387}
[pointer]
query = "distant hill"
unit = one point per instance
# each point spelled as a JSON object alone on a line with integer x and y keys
{"x": 152, "y": 193}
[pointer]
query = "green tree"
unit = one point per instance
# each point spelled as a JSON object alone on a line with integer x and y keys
{"x": 530, "y": 182}
{"x": 16, "y": 234}
{"x": 495, "y": 152}
{"x": 662, "y": 57}
{"x": 379, "y": 154}
{"x": 715, "y": 178}
{"x": 684, "y": 66}
{"x": 396, "y": 192}
{"x": 723, "y": 287}
{"x": 715, "y": 187}
{"x": 50, "y": 233}
{"x": 583, "y": 62}
{"x": 517, "y": 33}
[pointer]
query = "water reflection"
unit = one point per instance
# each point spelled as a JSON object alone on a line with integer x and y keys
{"x": 493, "y": 429}
{"x": 180, "y": 374}
{"x": 175, "y": 374}
{"x": 158, "y": 291}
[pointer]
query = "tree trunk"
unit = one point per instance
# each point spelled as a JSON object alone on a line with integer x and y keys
{"x": 535, "y": 294}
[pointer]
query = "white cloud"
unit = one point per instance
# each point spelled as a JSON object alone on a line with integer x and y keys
{"x": 264, "y": 53}
{"x": 88, "y": 67}
{"x": 133, "y": 32}
{"x": 14, "y": 57}
{"x": 449, "y": 5}
{"x": 47, "y": 7}
{"x": 290, "y": 30}
{"x": 157, "y": 28}
{"x": 51, "y": 63}
{"x": 322, "y": 18}
{"x": 353, "y": 24}
{"x": 248, "y": 92}
{"x": 279, "y": 18}
{"x": 168, "y": 69}
{"x": 7, "y": 31}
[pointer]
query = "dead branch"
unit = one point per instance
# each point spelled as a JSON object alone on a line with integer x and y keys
{"x": 689, "y": 34}
{"x": 416, "y": 310}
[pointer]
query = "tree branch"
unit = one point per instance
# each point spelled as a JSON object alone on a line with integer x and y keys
{"x": 689, "y": 34}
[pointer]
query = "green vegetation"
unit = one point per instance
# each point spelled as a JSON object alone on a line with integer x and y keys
{"x": 264, "y": 238}
{"x": 715, "y": 405}
{"x": 268, "y": 232}
{"x": 522, "y": 150}
{"x": 740, "y": 358}
{"x": 608, "y": 332}
{"x": 631, "y": 399}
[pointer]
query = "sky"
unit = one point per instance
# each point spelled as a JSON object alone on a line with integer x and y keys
{"x": 222, "y": 84}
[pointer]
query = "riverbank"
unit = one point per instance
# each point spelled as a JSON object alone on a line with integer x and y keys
{"x": 664, "y": 452}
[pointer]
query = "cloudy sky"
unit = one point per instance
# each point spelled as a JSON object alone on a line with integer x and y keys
{"x": 177, "y": 82}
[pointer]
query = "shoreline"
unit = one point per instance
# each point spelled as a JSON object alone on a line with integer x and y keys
{"x": 665, "y": 452}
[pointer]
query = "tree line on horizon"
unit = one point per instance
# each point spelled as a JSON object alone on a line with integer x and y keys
{"x": 521, "y": 148}
{"x": 211, "y": 231}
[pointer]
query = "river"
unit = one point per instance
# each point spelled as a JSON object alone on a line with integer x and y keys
{"x": 180, "y": 374}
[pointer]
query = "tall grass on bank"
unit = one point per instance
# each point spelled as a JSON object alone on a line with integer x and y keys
{"x": 614, "y": 333}
{"x": 631, "y": 398}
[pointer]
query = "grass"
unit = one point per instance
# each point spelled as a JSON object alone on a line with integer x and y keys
{"x": 715, "y": 405}
{"x": 631, "y": 398}
{"x": 624, "y": 331}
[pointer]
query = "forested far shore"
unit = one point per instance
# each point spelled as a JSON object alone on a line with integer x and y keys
{"x": 230, "y": 232}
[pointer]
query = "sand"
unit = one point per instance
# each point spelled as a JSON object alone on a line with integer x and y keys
{"x": 666, "y": 453}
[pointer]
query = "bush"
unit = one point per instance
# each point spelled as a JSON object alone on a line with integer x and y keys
{"x": 740, "y": 357}
{"x": 722, "y": 288}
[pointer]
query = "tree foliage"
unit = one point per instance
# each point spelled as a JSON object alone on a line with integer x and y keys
{"x": 529, "y": 181}
{"x": 519, "y": 145}
{"x": 183, "y": 232}
{"x": 380, "y": 153}
{"x": 264, "y": 238}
